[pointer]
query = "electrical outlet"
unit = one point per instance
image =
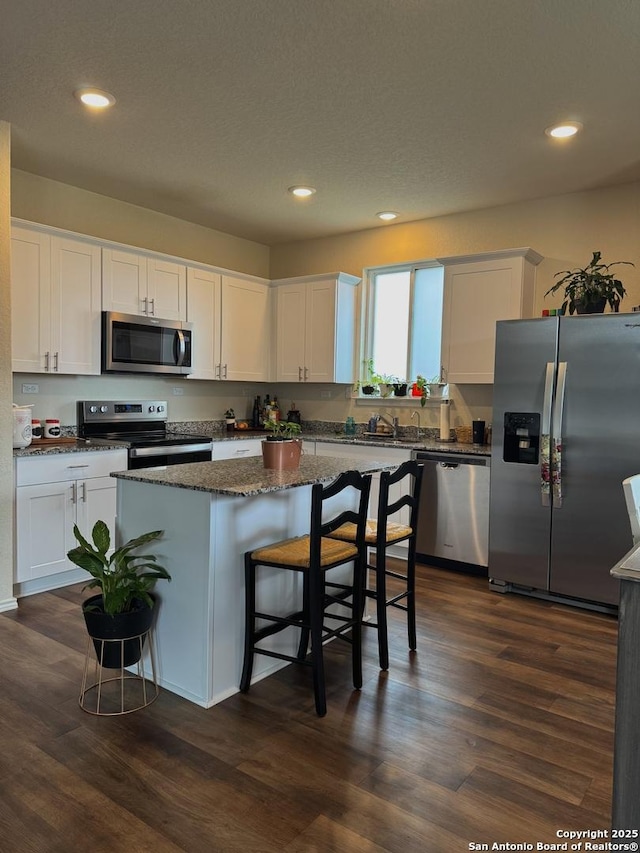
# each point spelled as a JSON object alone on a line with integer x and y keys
{"x": 178, "y": 391}
{"x": 30, "y": 389}
{"x": 325, "y": 395}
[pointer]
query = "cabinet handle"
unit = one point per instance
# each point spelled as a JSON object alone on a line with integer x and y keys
{"x": 55, "y": 361}
{"x": 77, "y": 466}
{"x": 306, "y": 373}
{"x": 46, "y": 361}
{"x": 84, "y": 491}
{"x": 299, "y": 374}
{"x": 225, "y": 371}
{"x": 74, "y": 492}
{"x": 144, "y": 306}
{"x": 152, "y": 307}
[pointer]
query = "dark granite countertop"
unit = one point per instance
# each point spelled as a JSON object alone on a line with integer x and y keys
{"x": 80, "y": 445}
{"x": 247, "y": 476}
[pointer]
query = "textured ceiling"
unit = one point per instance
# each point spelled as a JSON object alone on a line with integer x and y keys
{"x": 426, "y": 107}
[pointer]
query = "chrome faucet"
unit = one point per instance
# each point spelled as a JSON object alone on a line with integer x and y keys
{"x": 416, "y": 414}
{"x": 393, "y": 423}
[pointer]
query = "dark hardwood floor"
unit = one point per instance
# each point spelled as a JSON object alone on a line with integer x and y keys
{"x": 498, "y": 729}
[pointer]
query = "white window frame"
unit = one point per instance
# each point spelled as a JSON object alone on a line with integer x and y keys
{"x": 366, "y": 324}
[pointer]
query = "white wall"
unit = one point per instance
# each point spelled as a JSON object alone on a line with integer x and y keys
{"x": 6, "y": 423}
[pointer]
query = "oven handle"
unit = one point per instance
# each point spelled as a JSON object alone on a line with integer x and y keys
{"x": 169, "y": 449}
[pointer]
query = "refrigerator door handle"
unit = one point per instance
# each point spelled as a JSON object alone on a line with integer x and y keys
{"x": 545, "y": 438}
{"x": 556, "y": 437}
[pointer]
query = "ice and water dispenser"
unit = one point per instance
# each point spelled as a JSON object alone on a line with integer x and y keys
{"x": 521, "y": 437}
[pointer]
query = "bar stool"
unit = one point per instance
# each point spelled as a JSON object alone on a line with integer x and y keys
{"x": 379, "y": 534}
{"x": 314, "y": 555}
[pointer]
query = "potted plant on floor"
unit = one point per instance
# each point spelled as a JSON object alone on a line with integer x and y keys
{"x": 589, "y": 290}
{"x": 281, "y": 450}
{"x": 123, "y": 608}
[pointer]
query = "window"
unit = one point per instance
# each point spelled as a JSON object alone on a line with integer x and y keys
{"x": 404, "y": 320}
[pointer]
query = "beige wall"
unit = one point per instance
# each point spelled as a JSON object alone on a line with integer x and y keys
{"x": 6, "y": 424}
{"x": 564, "y": 229}
{"x": 52, "y": 203}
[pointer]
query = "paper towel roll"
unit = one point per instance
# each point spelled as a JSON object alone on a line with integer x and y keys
{"x": 445, "y": 427}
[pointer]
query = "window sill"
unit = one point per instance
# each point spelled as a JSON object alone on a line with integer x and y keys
{"x": 377, "y": 400}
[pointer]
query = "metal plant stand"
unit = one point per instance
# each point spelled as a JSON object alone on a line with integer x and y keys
{"x": 125, "y": 691}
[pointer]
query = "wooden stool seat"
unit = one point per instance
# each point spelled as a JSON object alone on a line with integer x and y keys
{"x": 297, "y": 552}
{"x": 395, "y": 532}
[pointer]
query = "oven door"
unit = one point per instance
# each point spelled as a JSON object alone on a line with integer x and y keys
{"x": 152, "y": 457}
{"x": 145, "y": 344}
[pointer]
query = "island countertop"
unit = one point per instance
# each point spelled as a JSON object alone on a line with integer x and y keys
{"x": 248, "y": 476}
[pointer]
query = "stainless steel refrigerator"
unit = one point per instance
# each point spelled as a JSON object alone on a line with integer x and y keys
{"x": 566, "y": 432}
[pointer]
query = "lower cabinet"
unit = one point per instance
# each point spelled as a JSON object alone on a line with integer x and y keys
{"x": 379, "y": 454}
{"x": 52, "y": 494}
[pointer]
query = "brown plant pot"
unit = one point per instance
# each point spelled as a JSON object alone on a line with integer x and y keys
{"x": 281, "y": 455}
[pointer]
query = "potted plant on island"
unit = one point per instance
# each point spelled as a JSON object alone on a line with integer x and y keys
{"x": 282, "y": 449}
{"x": 123, "y": 608}
{"x": 589, "y": 290}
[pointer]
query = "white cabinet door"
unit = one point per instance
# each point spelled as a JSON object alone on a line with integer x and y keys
{"x": 55, "y": 312}
{"x": 124, "y": 282}
{"x": 75, "y": 306}
{"x": 203, "y": 311}
{"x": 315, "y": 328}
{"x": 477, "y": 293}
{"x": 95, "y": 500}
{"x": 166, "y": 289}
{"x": 45, "y": 515}
{"x": 290, "y": 332}
{"x": 244, "y": 330}
{"x": 30, "y": 299}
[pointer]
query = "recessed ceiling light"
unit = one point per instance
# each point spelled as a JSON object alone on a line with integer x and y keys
{"x": 564, "y": 130}
{"x": 387, "y": 214}
{"x": 95, "y": 98}
{"x": 302, "y": 192}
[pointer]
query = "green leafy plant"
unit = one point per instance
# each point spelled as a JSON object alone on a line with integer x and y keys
{"x": 122, "y": 576}
{"x": 584, "y": 288}
{"x": 283, "y": 430}
{"x": 229, "y": 414}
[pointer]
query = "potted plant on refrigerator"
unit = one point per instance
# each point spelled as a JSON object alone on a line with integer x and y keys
{"x": 124, "y": 606}
{"x": 282, "y": 449}
{"x": 589, "y": 290}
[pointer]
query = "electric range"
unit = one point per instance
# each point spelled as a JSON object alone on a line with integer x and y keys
{"x": 142, "y": 426}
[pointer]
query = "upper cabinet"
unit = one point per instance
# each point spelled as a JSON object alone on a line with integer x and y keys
{"x": 478, "y": 291}
{"x": 55, "y": 303}
{"x": 231, "y": 321}
{"x": 315, "y": 328}
{"x": 134, "y": 283}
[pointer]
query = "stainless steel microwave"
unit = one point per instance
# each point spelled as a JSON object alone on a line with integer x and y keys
{"x": 145, "y": 344}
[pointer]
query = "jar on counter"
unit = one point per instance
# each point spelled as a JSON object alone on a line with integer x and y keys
{"x": 350, "y": 426}
{"x": 52, "y": 428}
{"x": 36, "y": 428}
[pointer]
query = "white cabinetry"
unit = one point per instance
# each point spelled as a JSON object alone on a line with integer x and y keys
{"x": 52, "y": 494}
{"x": 231, "y": 321}
{"x": 134, "y": 283}
{"x": 55, "y": 303}
{"x": 315, "y": 328}
{"x": 380, "y": 454}
{"x": 478, "y": 291}
{"x": 237, "y": 449}
{"x": 203, "y": 311}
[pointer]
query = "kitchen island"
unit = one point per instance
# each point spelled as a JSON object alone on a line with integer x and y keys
{"x": 211, "y": 513}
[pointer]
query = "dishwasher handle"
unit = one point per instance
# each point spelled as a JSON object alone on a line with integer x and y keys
{"x": 450, "y": 460}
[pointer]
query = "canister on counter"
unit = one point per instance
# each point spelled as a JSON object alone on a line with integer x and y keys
{"x": 36, "y": 428}
{"x": 52, "y": 428}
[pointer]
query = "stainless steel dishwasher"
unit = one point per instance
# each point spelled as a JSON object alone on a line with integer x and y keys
{"x": 453, "y": 522}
